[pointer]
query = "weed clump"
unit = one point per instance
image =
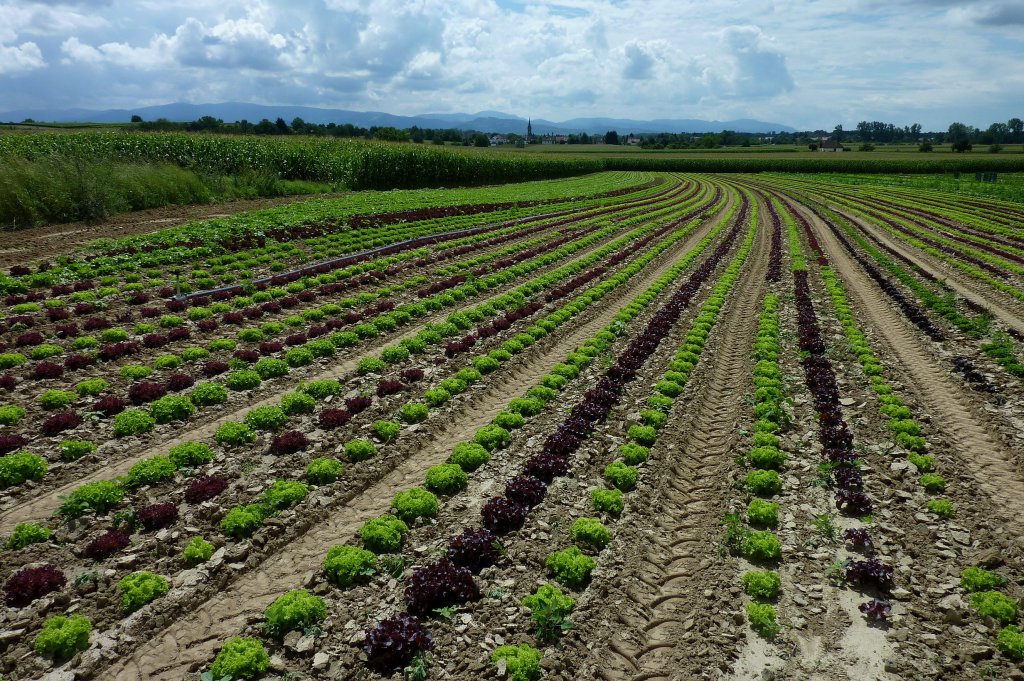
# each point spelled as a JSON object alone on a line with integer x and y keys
{"x": 549, "y": 608}
{"x": 763, "y": 619}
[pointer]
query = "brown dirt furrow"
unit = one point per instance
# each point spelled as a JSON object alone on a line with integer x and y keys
{"x": 47, "y": 502}
{"x": 954, "y": 412}
{"x": 1004, "y": 308}
{"x": 679, "y": 587}
{"x": 192, "y": 640}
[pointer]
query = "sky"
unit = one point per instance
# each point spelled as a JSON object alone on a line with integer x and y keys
{"x": 805, "y": 63}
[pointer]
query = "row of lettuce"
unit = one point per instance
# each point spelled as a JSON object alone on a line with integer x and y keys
{"x": 103, "y": 496}
{"x": 873, "y": 576}
{"x": 246, "y": 370}
{"x": 402, "y": 641}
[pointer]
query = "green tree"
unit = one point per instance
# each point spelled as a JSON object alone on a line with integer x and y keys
{"x": 206, "y": 123}
{"x": 611, "y": 137}
{"x": 996, "y": 133}
{"x": 480, "y": 140}
{"x": 1016, "y": 127}
{"x": 265, "y": 127}
{"x": 959, "y": 135}
{"x": 958, "y": 131}
{"x": 391, "y": 134}
{"x": 282, "y": 127}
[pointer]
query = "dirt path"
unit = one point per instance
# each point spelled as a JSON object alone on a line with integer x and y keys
{"x": 954, "y": 413}
{"x": 50, "y": 241}
{"x": 1002, "y": 307}
{"x": 193, "y": 640}
{"x": 679, "y": 589}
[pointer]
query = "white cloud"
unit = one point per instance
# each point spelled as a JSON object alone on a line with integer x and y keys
{"x": 77, "y": 51}
{"x": 20, "y": 58}
{"x": 759, "y": 68}
{"x": 999, "y": 14}
{"x": 244, "y": 43}
{"x": 805, "y": 64}
{"x": 640, "y": 59}
{"x": 152, "y": 56}
{"x": 37, "y": 20}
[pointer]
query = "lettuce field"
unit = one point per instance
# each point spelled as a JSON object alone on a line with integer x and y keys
{"x": 623, "y": 426}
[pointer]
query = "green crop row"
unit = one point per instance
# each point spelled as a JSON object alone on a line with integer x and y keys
{"x": 765, "y": 458}
{"x": 346, "y": 564}
{"x": 935, "y": 233}
{"x": 982, "y": 584}
{"x": 833, "y": 164}
{"x": 211, "y": 245}
{"x": 905, "y": 431}
{"x": 354, "y": 164}
{"x": 139, "y": 421}
{"x": 1009, "y": 188}
{"x": 970, "y": 269}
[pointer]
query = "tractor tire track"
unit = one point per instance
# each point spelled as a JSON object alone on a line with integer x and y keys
{"x": 193, "y": 639}
{"x": 678, "y": 589}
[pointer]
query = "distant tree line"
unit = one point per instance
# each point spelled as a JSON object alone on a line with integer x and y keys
{"x": 300, "y": 127}
{"x": 962, "y": 137}
{"x": 867, "y": 133}
{"x": 1011, "y": 132}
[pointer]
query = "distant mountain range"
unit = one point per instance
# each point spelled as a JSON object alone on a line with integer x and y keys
{"x": 484, "y": 121}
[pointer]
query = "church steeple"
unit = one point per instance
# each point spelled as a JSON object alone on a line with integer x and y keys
{"x": 529, "y": 131}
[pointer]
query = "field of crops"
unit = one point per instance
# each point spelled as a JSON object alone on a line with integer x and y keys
{"x": 353, "y": 164}
{"x": 356, "y": 164}
{"x": 627, "y": 426}
{"x": 53, "y": 178}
